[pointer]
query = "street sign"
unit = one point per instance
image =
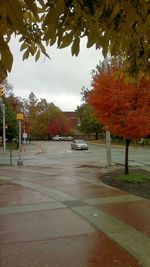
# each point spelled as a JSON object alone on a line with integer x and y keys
{"x": 19, "y": 117}
{"x": 24, "y": 135}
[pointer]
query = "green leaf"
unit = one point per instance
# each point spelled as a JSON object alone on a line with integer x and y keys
{"x": 66, "y": 40}
{"x": 37, "y": 55}
{"x": 23, "y": 46}
{"x": 75, "y": 48}
{"x": 32, "y": 6}
{"x": 50, "y": 18}
{"x": 7, "y": 59}
{"x": 105, "y": 44}
{"x": 32, "y": 49}
{"x": 60, "y": 7}
{"x": 26, "y": 54}
{"x": 14, "y": 11}
{"x": 55, "y": 12}
{"x": 51, "y": 33}
{"x": 3, "y": 72}
{"x": 91, "y": 41}
{"x": 43, "y": 50}
{"x": 52, "y": 41}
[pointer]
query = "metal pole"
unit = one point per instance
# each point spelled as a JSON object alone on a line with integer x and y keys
{"x": 11, "y": 156}
{"x": 108, "y": 149}
{"x": 20, "y": 162}
{"x": 108, "y": 138}
{"x": 2, "y": 105}
{"x": 4, "y": 129}
{"x": 3, "y": 112}
{"x": 20, "y": 140}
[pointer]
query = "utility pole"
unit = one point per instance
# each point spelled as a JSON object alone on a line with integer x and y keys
{"x": 19, "y": 118}
{"x": 108, "y": 137}
{"x": 2, "y": 105}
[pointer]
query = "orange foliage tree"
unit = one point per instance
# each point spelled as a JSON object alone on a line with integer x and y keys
{"x": 122, "y": 106}
{"x": 59, "y": 124}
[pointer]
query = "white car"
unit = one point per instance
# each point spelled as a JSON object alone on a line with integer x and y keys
{"x": 69, "y": 138}
{"x": 57, "y": 138}
{"x": 79, "y": 145}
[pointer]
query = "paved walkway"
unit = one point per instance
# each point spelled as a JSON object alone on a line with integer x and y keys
{"x": 55, "y": 216}
{"x": 51, "y": 216}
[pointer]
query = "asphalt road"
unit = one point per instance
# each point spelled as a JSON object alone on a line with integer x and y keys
{"x": 60, "y": 151}
{"x": 51, "y": 153}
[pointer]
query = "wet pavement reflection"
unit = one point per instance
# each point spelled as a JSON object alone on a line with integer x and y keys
{"x": 54, "y": 217}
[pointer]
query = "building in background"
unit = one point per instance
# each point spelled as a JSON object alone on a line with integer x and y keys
{"x": 74, "y": 120}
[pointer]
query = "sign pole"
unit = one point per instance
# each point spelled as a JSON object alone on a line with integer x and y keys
{"x": 19, "y": 140}
{"x": 2, "y": 106}
{"x": 4, "y": 129}
{"x": 108, "y": 138}
{"x": 19, "y": 118}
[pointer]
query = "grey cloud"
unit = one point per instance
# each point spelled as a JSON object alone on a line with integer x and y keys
{"x": 60, "y": 78}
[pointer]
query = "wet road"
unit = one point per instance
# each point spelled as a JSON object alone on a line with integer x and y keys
{"x": 51, "y": 153}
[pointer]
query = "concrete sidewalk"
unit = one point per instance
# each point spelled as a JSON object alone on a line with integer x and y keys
{"x": 27, "y": 150}
{"x": 55, "y": 216}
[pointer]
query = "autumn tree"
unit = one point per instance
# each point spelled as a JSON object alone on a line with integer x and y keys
{"x": 39, "y": 112}
{"x": 59, "y": 124}
{"x": 122, "y": 106}
{"x": 118, "y": 27}
{"x": 10, "y": 121}
{"x": 13, "y": 105}
{"x": 88, "y": 122}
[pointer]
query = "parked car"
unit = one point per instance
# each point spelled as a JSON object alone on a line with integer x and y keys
{"x": 69, "y": 138}
{"x": 79, "y": 145}
{"x": 57, "y": 138}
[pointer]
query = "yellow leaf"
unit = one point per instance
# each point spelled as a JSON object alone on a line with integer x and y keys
{"x": 116, "y": 9}
{"x": 6, "y": 55}
{"x": 32, "y": 6}
{"x": 59, "y": 7}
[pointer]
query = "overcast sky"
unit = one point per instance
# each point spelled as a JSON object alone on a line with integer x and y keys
{"x": 58, "y": 80}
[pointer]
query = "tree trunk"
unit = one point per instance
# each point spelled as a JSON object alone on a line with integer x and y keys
{"x": 96, "y": 136}
{"x": 126, "y": 156}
